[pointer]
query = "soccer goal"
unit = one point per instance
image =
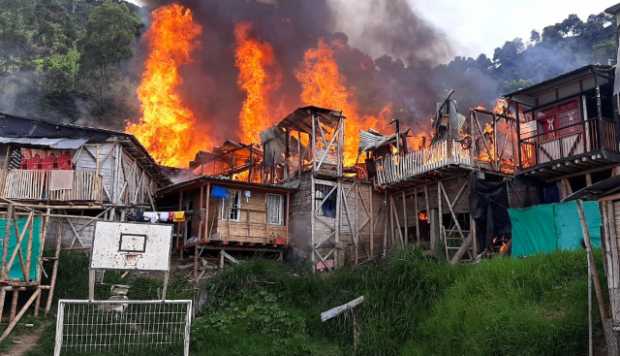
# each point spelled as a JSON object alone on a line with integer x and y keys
{"x": 123, "y": 327}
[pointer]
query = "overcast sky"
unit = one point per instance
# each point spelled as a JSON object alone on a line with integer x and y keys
{"x": 477, "y": 26}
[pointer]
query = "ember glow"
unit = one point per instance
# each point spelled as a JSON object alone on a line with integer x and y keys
{"x": 168, "y": 129}
{"x": 255, "y": 61}
{"x": 323, "y": 85}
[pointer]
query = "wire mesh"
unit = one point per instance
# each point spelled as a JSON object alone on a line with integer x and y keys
{"x": 123, "y": 327}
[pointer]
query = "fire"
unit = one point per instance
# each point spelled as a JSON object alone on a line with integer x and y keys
{"x": 323, "y": 85}
{"x": 501, "y": 106}
{"x": 167, "y": 127}
{"x": 253, "y": 59}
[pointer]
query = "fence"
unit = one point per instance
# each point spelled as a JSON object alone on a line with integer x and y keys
{"x": 127, "y": 327}
{"x": 24, "y": 184}
{"x": 394, "y": 169}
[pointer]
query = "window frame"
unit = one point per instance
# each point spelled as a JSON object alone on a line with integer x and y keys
{"x": 280, "y": 210}
{"x": 225, "y": 211}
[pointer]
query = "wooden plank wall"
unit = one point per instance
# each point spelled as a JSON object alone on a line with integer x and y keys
{"x": 252, "y": 226}
{"x": 124, "y": 181}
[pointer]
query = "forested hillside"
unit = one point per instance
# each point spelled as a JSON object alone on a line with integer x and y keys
{"x": 67, "y": 59}
{"x": 557, "y": 49}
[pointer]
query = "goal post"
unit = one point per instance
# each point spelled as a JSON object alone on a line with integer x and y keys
{"x": 135, "y": 327}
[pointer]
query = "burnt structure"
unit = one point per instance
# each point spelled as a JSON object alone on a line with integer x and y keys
{"x": 336, "y": 216}
{"x": 451, "y": 196}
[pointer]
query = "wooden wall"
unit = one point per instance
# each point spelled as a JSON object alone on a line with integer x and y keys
{"x": 252, "y": 226}
{"x": 124, "y": 181}
{"x": 355, "y": 224}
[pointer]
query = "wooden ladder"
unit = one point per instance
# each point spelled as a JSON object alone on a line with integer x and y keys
{"x": 453, "y": 241}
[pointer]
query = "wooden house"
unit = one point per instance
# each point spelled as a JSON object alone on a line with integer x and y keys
{"x": 81, "y": 174}
{"x": 56, "y": 181}
{"x": 335, "y": 216}
{"x": 228, "y": 213}
{"x": 450, "y": 195}
{"x": 568, "y": 130}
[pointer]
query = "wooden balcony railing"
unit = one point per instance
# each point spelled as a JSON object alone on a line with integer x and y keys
{"x": 395, "y": 169}
{"x": 25, "y": 184}
{"x": 568, "y": 142}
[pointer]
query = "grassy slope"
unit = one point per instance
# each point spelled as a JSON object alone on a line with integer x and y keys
{"x": 414, "y": 306}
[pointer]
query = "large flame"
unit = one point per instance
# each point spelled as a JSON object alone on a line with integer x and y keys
{"x": 323, "y": 85}
{"x": 167, "y": 128}
{"x": 255, "y": 61}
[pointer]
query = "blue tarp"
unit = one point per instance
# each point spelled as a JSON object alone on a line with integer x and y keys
{"x": 551, "y": 227}
{"x": 219, "y": 192}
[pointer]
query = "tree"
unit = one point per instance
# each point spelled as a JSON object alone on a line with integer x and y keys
{"x": 110, "y": 32}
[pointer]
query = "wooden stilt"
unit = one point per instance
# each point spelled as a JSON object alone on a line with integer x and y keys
{"x": 610, "y": 336}
{"x": 15, "y": 319}
{"x": 372, "y": 223}
{"x": 405, "y": 223}
{"x": 50, "y": 296}
{"x": 2, "y": 300}
{"x": 14, "y": 299}
{"x": 417, "y": 219}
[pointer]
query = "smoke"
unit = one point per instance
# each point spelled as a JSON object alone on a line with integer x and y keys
{"x": 385, "y": 51}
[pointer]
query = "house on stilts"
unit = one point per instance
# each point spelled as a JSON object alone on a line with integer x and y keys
{"x": 56, "y": 182}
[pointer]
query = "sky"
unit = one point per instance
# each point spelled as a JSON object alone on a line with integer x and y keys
{"x": 479, "y": 26}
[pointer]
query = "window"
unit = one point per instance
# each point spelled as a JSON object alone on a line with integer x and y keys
{"x": 275, "y": 209}
{"x": 230, "y": 208}
{"x": 326, "y": 200}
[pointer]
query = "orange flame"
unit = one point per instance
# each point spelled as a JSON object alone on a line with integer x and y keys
{"x": 167, "y": 127}
{"x": 323, "y": 85}
{"x": 253, "y": 59}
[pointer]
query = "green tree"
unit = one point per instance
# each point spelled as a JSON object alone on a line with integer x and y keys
{"x": 110, "y": 32}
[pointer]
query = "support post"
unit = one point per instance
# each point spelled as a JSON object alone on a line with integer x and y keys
{"x": 417, "y": 219}
{"x": 405, "y": 218}
{"x": 372, "y": 222}
{"x": 610, "y": 337}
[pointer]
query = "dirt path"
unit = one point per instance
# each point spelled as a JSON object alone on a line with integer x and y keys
{"x": 24, "y": 343}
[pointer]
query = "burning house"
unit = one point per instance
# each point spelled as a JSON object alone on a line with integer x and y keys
{"x": 452, "y": 194}
{"x": 568, "y": 129}
{"x": 232, "y": 160}
{"x": 335, "y": 212}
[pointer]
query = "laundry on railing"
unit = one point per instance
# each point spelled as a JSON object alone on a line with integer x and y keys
{"x": 61, "y": 180}
{"x": 159, "y": 216}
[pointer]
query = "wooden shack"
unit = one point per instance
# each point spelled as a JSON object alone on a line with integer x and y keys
{"x": 227, "y": 215}
{"x": 568, "y": 127}
{"x": 336, "y": 216}
{"x": 430, "y": 190}
{"x": 82, "y": 174}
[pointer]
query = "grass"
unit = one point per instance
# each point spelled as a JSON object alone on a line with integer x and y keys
{"x": 414, "y": 306}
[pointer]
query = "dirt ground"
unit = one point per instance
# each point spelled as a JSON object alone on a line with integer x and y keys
{"x": 23, "y": 343}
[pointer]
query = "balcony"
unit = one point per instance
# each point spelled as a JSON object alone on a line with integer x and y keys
{"x": 37, "y": 185}
{"x": 587, "y": 144}
{"x": 394, "y": 169}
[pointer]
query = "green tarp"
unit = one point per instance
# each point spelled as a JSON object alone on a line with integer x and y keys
{"x": 551, "y": 227}
{"x": 16, "y": 273}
